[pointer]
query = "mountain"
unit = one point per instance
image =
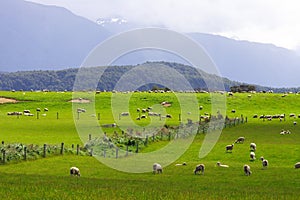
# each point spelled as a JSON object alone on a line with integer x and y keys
{"x": 39, "y": 37}
{"x": 35, "y": 36}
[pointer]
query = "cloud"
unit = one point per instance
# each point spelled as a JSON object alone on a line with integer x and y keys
{"x": 268, "y": 21}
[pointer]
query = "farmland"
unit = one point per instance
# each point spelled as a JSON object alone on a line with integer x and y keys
{"x": 48, "y": 178}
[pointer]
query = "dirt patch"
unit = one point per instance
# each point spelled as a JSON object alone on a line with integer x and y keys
{"x": 6, "y": 100}
{"x": 80, "y": 100}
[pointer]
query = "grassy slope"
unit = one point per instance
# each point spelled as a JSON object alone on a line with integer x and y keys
{"x": 48, "y": 178}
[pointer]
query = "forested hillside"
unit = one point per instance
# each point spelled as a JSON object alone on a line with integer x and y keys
{"x": 64, "y": 79}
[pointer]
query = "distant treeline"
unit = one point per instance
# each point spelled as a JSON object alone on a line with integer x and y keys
{"x": 62, "y": 80}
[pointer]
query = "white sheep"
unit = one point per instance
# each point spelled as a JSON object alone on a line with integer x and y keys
{"x": 247, "y": 170}
{"x": 74, "y": 171}
{"x": 252, "y": 156}
{"x": 229, "y": 148}
{"x": 297, "y": 165}
{"x": 264, "y": 162}
{"x": 240, "y": 140}
{"x": 221, "y": 165}
{"x": 157, "y": 168}
{"x": 253, "y": 146}
{"x": 181, "y": 164}
{"x": 199, "y": 168}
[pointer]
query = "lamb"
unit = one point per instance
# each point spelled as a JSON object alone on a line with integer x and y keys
{"x": 199, "y": 168}
{"x": 221, "y": 165}
{"x": 297, "y": 165}
{"x": 157, "y": 168}
{"x": 229, "y": 148}
{"x": 252, "y": 156}
{"x": 125, "y": 114}
{"x": 240, "y": 140}
{"x": 264, "y": 162}
{"x": 252, "y": 147}
{"x": 74, "y": 171}
{"x": 247, "y": 170}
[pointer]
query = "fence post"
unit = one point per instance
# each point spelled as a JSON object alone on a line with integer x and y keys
{"x": 91, "y": 152}
{"x": 179, "y": 117}
{"x": 37, "y": 115}
{"x": 57, "y": 115}
{"x": 104, "y": 153}
{"x": 90, "y": 137}
{"x": 127, "y": 150}
{"x": 4, "y": 156}
{"x": 77, "y": 149}
{"x": 62, "y": 148}
{"x": 117, "y": 152}
{"x": 44, "y": 150}
{"x": 153, "y": 137}
{"x": 161, "y": 135}
{"x": 25, "y": 153}
{"x": 169, "y": 135}
{"x": 137, "y": 147}
{"x": 98, "y": 116}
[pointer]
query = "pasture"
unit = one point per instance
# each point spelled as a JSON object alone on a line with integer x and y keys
{"x": 48, "y": 178}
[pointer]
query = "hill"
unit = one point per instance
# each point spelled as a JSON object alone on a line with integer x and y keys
{"x": 60, "y": 80}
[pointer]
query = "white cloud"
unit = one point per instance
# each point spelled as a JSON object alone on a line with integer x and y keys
{"x": 268, "y": 21}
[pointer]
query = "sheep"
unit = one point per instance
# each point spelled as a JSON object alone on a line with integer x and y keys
{"x": 181, "y": 164}
{"x": 74, "y": 171}
{"x": 297, "y": 165}
{"x": 157, "y": 168}
{"x": 293, "y": 115}
{"x": 46, "y": 109}
{"x": 295, "y": 123}
{"x": 252, "y": 156}
{"x": 168, "y": 116}
{"x": 199, "y": 168}
{"x": 247, "y": 170}
{"x": 252, "y": 147}
{"x": 229, "y": 147}
{"x": 240, "y": 140}
{"x": 125, "y": 114}
{"x": 221, "y": 165}
{"x": 233, "y": 111}
{"x": 143, "y": 116}
{"x": 264, "y": 162}
{"x": 255, "y": 116}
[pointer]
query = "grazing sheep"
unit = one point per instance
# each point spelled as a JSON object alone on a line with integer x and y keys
{"x": 229, "y": 148}
{"x": 199, "y": 168}
{"x": 125, "y": 114}
{"x": 38, "y": 109}
{"x": 252, "y": 156}
{"x": 247, "y": 170}
{"x": 255, "y": 116}
{"x": 143, "y": 116}
{"x": 293, "y": 115}
{"x": 168, "y": 116}
{"x": 233, "y": 111}
{"x": 240, "y": 140}
{"x": 264, "y": 162}
{"x": 181, "y": 164}
{"x": 297, "y": 165}
{"x": 46, "y": 109}
{"x": 74, "y": 171}
{"x": 252, "y": 147}
{"x": 157, "y": 168}
{"x": 221, "y": 165}
{"x": 295, "y": 123}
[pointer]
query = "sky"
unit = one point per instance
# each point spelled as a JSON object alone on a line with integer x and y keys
{"x": 265, "y": 21}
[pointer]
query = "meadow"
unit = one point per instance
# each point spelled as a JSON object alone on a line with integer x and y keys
{"x": 48, "y": 178}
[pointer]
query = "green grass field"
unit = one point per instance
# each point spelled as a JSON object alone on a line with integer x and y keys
{"x": 48, "y": 178}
